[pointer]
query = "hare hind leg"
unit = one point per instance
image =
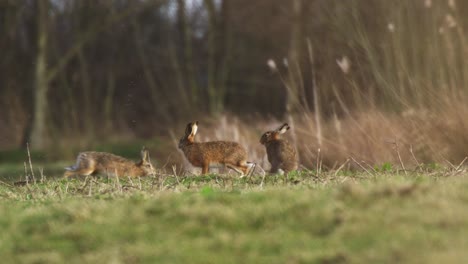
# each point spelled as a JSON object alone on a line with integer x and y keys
{"x": 85, "y": 172}
{"x": 248, "y": 167}
{"x": 243, "y": 168}
{"x": 252, "y": 167}
{"x": 238, "y": 169}
{"x": 205, "y": 169}
{"x": 83, "y": 166}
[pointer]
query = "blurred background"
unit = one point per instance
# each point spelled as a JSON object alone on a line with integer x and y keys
{"x": 375, "y": 81}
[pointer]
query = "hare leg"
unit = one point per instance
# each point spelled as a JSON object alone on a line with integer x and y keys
{"x": 251, "y": 168}
{"x": 205, "y": 169}
{"x": 238, "y": 169}
{"x": 68, "y": 174}
{"x": 274, "y": 169}
{"x": 85, "y": 172}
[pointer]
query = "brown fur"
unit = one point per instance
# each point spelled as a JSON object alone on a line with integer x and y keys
{"x": 281, "y": 154}
{"x": 93, "y": 163}
{"x": 204, "y": 154}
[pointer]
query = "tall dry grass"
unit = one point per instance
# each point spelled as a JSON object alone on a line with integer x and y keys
{"x": 391, "y": 54}
{"x": 404, "y": 95}
{"x": 397, "y": 95}
{"x": 410, "y": 138}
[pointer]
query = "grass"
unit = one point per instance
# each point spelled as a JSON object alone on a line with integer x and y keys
{"x": 350, "y": 217}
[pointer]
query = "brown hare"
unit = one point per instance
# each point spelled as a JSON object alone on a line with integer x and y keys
{"x": 92, "y": 163}
{"x": 281, "y": 154}
{"x": 204, "y": 154}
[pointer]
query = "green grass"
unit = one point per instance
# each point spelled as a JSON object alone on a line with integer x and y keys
{"x": 302, "y": 218}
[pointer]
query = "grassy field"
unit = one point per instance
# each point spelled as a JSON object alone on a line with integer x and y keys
{"x": 379, "y": 216}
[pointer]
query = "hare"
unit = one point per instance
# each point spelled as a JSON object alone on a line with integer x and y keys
{"x": 204, "y": 154}
{"x": 92, "y": 163}
{"x": 281, "y": 154}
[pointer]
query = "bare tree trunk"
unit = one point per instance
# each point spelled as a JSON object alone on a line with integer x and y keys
{"x": 155, "y": 91}
{"x": 38, "y": 134}
{"x": 186, "y": 103}
{"x": 295, "y": 86}
{"x": 109, "y": 100}
{"x": 212, "y": 48}
{"x": 225, "y": 42}
{"x": 69, "y": 104}
{"x": 188, "y": 61}
{"x": 87, "y": 95}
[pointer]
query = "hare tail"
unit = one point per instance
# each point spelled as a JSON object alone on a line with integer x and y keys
{"x": 79, "y": 159}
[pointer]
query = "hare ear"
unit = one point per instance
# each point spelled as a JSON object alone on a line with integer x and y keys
{"x": 144, "y": 154}
{"x": 282, "y": 129}
{"x": 191, "y": 129}
{"x": 194, "y": 128}
{"x": 188, "y": 129}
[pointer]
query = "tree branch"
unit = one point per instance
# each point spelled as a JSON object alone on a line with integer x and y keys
{"x": 93, "y": 32}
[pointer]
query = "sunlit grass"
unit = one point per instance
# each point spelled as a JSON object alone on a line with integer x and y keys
{"x": 306, "y": 217}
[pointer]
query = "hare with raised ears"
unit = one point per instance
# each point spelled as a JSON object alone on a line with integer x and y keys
{"x": 281, "y": 154}
{"x": 204, "y": 154}
{"x": 92, "y": 163}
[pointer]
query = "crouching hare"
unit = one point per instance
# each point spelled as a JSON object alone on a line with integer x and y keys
{"x": 206, "y": 154}
{"x": 92, "y": 163}
{"x": 281, "y": 154}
